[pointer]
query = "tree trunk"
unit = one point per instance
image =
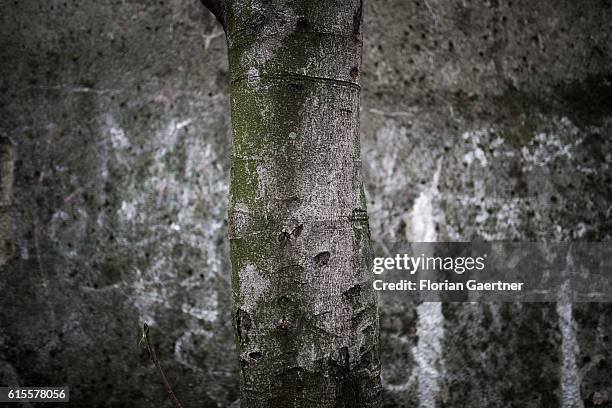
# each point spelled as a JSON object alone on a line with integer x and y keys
{"x": 305, "y": 313}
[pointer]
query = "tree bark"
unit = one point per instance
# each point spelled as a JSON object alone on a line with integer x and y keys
{"x": 305, "y": 313}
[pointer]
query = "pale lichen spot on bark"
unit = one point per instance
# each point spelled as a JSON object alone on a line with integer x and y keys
{"x": 264, "y": 181}
{"x": 253, "y": 75}
{"x": 252, "y": 286}
{"x": 241, "y": 218}
{"x": 283, "y": 23}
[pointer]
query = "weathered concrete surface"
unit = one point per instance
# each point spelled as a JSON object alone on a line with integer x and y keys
{"x": 480, "y": 120}
{"x": 117, "y": 117}
{"x": 490, "y": 120}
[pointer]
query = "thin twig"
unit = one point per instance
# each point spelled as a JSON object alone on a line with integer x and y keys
{"x": 149, "y": 346}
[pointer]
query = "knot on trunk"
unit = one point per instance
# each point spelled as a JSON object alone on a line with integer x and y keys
{"x": 322, "y": 258}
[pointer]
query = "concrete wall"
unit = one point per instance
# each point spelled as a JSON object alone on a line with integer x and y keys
{"x": 480, "y": 120}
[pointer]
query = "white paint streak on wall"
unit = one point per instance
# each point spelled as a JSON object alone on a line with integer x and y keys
{"x": 185, "y": 179}
{"x": 118, "y": 141}
{"x": 545, "y": 148}
{"x": 118, "y": 138}
{"x": 422, "y": 217}
{"x": 389, "y": 173}
{"x": 477, "y": 153}
{"x": 430, "y": 329}
{"x": 216, "y": 33}
{"x": 570, "y": 381}
{"x": 428, "y": 353}
{"x": 127, "y": 210}
{"x": 182, "y": 347}
{"x": 207, "y": 310}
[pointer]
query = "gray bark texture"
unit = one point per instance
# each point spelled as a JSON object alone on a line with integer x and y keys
{"x": 305, "y": 314}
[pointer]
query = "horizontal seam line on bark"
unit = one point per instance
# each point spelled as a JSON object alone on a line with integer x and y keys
{"x": 279, "y": 34}
{"x": 249, "y": 159}
{"x": 311, "y": 222}
{"x": 315, "y": 220}
{"x": 293, "y": 76}
{"x": 273, "y": 160}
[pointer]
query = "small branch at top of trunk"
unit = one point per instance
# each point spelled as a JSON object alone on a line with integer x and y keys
{"x": 217, "y": 7}
{"x": 149, "y": 346}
